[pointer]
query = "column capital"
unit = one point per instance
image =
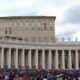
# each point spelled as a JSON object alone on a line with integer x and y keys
{"x": 69, "y": 49}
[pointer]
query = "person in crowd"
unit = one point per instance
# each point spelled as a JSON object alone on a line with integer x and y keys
{"x": 45, "y": 77}
{"x": 50, "y": 76}
{"x": 6, "y": 77}
{"x": 35, "y": 74}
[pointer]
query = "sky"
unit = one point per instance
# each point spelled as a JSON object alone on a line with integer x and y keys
{"x": 67, "y": 13}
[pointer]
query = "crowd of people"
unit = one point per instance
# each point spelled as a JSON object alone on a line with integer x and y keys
{"x": 36, "y": 74}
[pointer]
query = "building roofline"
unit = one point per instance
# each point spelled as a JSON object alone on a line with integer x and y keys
{"x": 9, "y": 17}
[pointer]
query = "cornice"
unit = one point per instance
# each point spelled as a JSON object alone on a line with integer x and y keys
{"x": 25, "y": 17}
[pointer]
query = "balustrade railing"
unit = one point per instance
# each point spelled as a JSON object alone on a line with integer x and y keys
{"x": 67, "y": 40}
{"x": 24, "y": 40}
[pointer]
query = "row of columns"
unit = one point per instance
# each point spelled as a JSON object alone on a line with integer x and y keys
{"x": 50, "y": 60}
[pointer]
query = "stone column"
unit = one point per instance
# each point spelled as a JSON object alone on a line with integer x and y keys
{"x": 63, "y": 60}
{"x": 56, "y": 59}
{"x": 2, "y": 57}
{"x": 76, "y": 60}
{"x": 16, "y": 58}
{"x": 29, "y": 58}
{"x": 23, "y": 58}
{"x": 69, "y": 60}
{"x": 9, "y": 58}
{"x": 50, "y": 60}
{"x": 36, "y": 59}
{"x": 43, "y": 59}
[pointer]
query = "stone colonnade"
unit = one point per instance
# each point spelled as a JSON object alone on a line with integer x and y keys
{"x": 39, "y": 58}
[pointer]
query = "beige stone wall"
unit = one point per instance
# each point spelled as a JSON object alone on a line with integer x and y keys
{"x": 34, "y": 28}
